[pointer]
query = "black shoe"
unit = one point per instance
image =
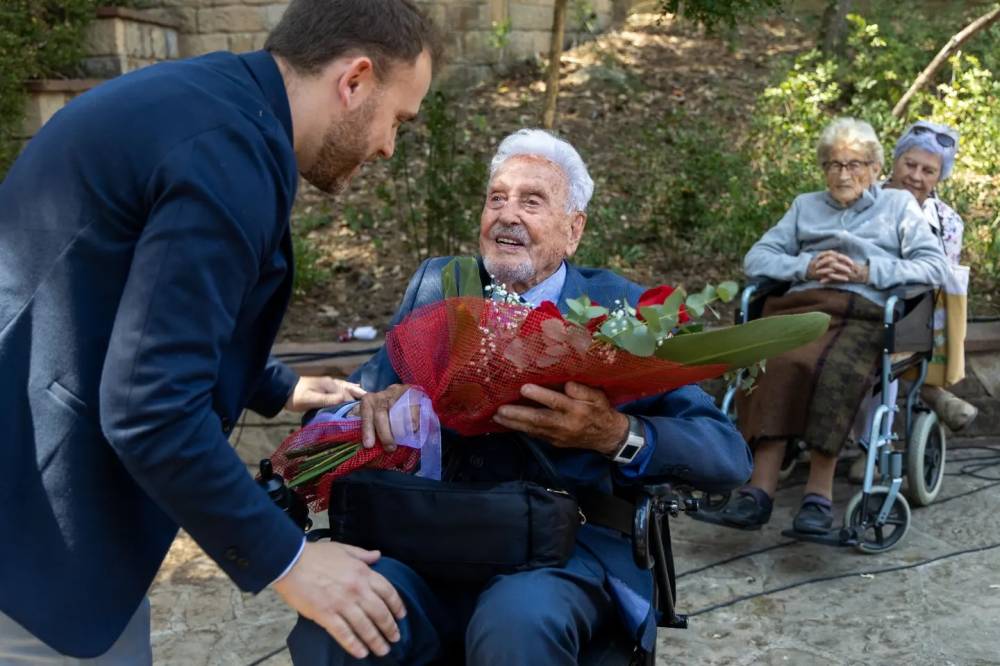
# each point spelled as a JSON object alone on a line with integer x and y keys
{"x": 813, "y": 519}
{"x": 742, "y": 513}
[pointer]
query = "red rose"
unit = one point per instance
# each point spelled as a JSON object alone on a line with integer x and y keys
{"x": 658, "y": 296}
{"x": 594, "y": 324}
{"x": 533, "y": 322}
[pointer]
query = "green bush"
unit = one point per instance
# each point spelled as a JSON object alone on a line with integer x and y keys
{"x": 438, "y": 180}
{"x": 38, "y": 39}
{"x": 789, "y": 116}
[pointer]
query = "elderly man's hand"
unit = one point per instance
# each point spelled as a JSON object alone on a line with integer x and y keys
{"x": 374, "y": 412}
{"x": 318, "y": 392}
{"x": 333, "y": 585}
{"x": 580, "y": 418}
{"x": 831, "y": 266}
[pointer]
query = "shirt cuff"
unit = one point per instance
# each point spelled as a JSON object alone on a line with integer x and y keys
{"x": 330, "y": 414}
{"x": 291, "y": 564}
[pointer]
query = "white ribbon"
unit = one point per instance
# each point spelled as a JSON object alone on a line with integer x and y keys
{"x": 426, "y": 436}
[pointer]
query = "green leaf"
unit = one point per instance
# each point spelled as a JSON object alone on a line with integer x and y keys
{"x": 460, "y": 277}
{"x": 578, "y": 306}
{"x": 696, "y": 304}
{"x": 727, "y": 291}
{"x": 637, "y": 340}
{"x": 743, "y": 345}
{"x": 652, "y": 314}
{"x": 595, "y": 311}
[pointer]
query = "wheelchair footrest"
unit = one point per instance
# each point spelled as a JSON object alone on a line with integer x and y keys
{"x": 835, "y": 537}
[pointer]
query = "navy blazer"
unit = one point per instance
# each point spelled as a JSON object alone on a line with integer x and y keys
{"x": 692, "y": 440}
{"x": 145, "y": 267}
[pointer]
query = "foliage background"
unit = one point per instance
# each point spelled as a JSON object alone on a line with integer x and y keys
{"x": 38, "y": 39}
{"x": 710, "y": 186}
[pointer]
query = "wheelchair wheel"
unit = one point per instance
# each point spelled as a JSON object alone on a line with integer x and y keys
{"x": 925, "y": 459}
{"x": 873, "y": 539}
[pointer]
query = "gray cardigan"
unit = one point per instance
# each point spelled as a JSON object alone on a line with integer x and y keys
{"x": 884, "y": 228}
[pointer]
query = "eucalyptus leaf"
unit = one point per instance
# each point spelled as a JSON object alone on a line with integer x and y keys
{"x": 727, "y": 291}
{"x": 744, "y": 345}
{"x": 696, "y": 304}
{"x": 637, "y": 340}
{"x": 595, "y": 311}
{"x": 652, "y": 315}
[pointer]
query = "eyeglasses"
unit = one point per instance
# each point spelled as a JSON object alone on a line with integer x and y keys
{"x": 855, "y": 167}
{"x": 944, "y": 140}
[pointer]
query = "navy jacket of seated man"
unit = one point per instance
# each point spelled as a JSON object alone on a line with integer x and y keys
{"x": 145, "y": 267}
{"x": 688, "y": 438}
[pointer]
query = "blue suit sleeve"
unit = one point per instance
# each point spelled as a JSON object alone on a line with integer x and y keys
{"x": 276, "y": 384}
{"x": 216, "y": 210}
{"x": 692, "y": 441}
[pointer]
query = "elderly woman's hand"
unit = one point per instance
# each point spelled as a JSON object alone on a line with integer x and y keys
{"x": 831, "y": 266}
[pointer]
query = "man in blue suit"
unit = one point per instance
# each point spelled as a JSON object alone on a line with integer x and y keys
{"x": 145, "y": 267}
{"x": 532, "y": 222}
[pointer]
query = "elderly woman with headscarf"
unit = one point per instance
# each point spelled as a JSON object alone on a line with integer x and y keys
{"x": 922, "y": 158}
{"x": 842, "y": 249}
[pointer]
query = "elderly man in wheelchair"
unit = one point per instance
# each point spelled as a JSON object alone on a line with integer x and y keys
{"x": 842, "y": 251}
{"x": 571, "y": 440}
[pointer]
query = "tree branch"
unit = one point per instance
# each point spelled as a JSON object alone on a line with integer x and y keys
{"x": 555, "y": 61}
{"x": 955, "y": 43}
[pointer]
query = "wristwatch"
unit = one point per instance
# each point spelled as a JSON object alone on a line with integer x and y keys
{"x": 634, "y": 441}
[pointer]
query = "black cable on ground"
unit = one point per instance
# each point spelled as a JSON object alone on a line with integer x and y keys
{"x": 822, "y": 579}
{"x": 275, "y": 653}
{"x": 307, "y": 356}
{"x": 736, "y": 557}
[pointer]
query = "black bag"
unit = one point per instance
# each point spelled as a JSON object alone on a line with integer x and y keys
{"x": 457, "y": 532}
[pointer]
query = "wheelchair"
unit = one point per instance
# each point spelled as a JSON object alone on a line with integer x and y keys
{"x": 878, "y": 516}
{"x": 652, "y": 507}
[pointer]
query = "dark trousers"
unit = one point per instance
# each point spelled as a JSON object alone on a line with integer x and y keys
{"x": 535, "y": 617}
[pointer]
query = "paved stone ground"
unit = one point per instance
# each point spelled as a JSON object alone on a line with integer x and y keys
{"x": 942, "y": 612}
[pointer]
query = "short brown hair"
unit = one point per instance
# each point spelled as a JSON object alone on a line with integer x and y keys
{"x": 313, "y": 33}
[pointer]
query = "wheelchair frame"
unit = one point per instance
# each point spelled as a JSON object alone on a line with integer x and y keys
{"x": 878, "y": 516}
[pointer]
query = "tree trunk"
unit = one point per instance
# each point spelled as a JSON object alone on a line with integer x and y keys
{"x": 833, "y": 28}
{"x": 955, "y": 43}
{"x": 555, "y": 60}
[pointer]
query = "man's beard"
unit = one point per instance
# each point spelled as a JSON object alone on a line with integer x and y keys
{"x": 510, "y": 274}
{"x": 504, "y": 272}
{"x": 344, "y": 149}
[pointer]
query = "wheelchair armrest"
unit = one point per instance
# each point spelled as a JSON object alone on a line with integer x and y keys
{"x": 754, "y": 294}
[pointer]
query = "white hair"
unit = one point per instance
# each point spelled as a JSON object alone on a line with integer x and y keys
{"x": 539, "y": 143}
{"x": 850, "y": 132}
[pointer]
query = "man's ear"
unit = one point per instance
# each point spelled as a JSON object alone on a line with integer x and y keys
{"x": 356, "y": 82}
{"x": 576, "y": 227}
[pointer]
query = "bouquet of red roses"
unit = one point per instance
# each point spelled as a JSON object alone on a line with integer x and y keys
{"x": 471, "y": 354}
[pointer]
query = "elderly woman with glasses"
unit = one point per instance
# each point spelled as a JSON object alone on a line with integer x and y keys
{"x": 842, "y": 249}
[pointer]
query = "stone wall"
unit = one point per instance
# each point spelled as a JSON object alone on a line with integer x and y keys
{"x": 468, "y": 26}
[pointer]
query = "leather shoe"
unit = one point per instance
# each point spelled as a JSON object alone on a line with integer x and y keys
{"x": 812, "y": 519}
{"x": 746, "y": 513}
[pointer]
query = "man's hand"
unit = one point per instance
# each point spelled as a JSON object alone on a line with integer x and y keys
{"x": 333, "y": 586}
{"x": 374, "y": 412}
{"x": 580, "y": 418}
{"x": 316, "y": 392}
{"x": 831, "y": 266}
